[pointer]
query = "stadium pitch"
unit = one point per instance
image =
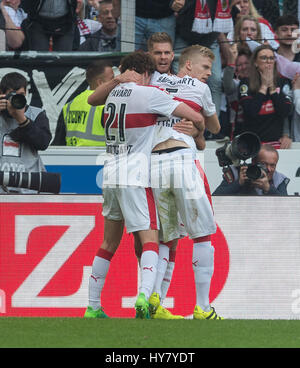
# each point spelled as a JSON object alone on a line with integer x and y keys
{"x": 19, "y": 332}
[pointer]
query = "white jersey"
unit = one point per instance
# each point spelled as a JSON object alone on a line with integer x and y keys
{"x": 193, "y": 92}
{"x": 130, "y": 116}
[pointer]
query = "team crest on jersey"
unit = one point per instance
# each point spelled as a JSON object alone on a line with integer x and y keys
{"x": 243, "y": 89}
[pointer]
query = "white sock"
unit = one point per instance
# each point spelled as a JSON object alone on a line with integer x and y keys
{"x": 168, "y": 275}
{"x": 203, "y": 266}
{"x": 149, "y": 260}
{"x": 163, "y": 260}
{"x": 96, "y": 281}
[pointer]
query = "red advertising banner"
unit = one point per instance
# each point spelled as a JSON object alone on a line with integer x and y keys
{"x": 47, "y": 246}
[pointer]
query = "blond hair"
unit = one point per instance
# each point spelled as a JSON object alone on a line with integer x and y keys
{"x": 252, "y": 10}
{"x": 238, "y": 26}
{"x": 159, "y": 37}
{"x": 194, "y": 51}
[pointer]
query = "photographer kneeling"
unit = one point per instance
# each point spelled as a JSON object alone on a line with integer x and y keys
{"x": 271, "y": 182}
{"x": 24, "y": 130}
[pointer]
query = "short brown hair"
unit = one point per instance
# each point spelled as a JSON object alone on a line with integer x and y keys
{"x": 194, "y": 51}
{"x": 95, "y": 69}
{"x": 139, "y": 61}
{"x": 14, "y": 81}
{"x": 159, "y": 37}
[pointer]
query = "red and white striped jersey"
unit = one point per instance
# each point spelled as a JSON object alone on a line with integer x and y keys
{"x": 190, "y": 90}
{"x": 130, "y": 115}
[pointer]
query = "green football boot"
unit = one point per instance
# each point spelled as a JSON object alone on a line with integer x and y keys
{"x": 92, "y": 313}
{"x": 142, "y": 307}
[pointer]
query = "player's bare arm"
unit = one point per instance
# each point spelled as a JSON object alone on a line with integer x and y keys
{"x": 212, "y": 124}
{"x": 187, "y": 127}
{"x": 102, "y": 91}
{"x": 184, "y": 111}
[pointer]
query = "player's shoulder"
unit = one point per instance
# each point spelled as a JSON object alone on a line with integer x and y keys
{"x": 162, "y": 79}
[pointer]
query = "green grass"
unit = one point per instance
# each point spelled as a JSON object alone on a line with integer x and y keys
{"x": 26, "y": 332}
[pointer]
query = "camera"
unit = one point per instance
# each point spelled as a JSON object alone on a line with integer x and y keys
{"x": 40, "y": 181}
{"x": 17, "y": 100}
{"x": 255, "y": 171}
{"x": 244, "y": 146}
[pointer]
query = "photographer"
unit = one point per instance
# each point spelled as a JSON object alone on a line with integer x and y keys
{"x": 271, "y": 181}
{"x": 24, "y": 130}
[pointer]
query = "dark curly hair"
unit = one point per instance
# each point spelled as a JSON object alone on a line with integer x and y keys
{"x": 139, "y": 61}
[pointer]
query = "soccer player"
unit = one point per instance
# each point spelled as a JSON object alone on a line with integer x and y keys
{"x": 171, "y": 146}
{"x": 130, "y": 115}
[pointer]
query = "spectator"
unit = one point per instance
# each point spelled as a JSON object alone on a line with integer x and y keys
{"x": 86, "y": 26}
{"x": 50, "y": 20}
{"x": 246, "y": 27}
{"x": 189, "y": 31}
{"x": 271, "y": 181}
{"x": 107, "y": 38}
{"x": 13, "y": 16}
{"x": 285, "y": 67}
{"x": 295, "y": 128}
{"x": 246, "y": 7}
{"x": 265, "y": 99}
{"x": 79, "y": 123}
{"x": 284, "y": 28}
{"x": 237, "y": 68}
{"x": 23, "y": 131}
{"x": 153, "y": 16}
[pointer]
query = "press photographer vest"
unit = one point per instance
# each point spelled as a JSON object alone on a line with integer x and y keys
{"x": 83, "y": 122}
{"x": 16, "y": 156}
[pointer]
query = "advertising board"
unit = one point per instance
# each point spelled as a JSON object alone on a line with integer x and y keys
{"x": 48, "y": 242}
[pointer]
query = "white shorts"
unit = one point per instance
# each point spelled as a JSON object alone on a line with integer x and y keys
{"x": 179, "y": 188}
{"x": 134, "y": 205}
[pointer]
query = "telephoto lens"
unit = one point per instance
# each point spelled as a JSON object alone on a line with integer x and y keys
{"x": 40, "y": 181}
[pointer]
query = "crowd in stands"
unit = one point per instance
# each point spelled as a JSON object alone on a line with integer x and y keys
{"x": 249, "y": 87}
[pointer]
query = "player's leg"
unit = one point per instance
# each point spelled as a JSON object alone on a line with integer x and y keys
{"x": 162, "y": 283}
{"x": 171, "y": 264}
{"x": 141, "y": 219}
{"x": 166, "y": 281}
{"x": 113, "y": 231}
{"x": 163, "y": 261}
{"x": 203, "y": 267}
{"x": 196, "y": 212}
{"x": 162, "y": 175}
{"x": 148, "y": 267}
